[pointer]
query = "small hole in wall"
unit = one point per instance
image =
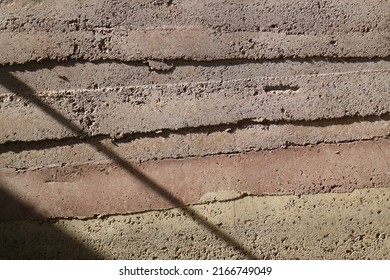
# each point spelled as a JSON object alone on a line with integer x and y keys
{"x": 280, "y": 88}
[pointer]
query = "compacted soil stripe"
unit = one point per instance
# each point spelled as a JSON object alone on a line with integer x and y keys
{"x": 90, "y": 189}
{"x": 325, "y": 226}
{"x": 116, "y": 111}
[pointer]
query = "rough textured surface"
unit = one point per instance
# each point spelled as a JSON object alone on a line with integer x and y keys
{"x": 288, "y": 16}
{"x": 55, "y": 76}
{"x": 130, "y": 109}
{"x": 182, "y": 30}
{"x": 110, "y": 189}
{"x": 116, "y": 107}
{"x": 221, "y": 139}
{"x": 326, "y": 226}
{"x": 185, "y": 44}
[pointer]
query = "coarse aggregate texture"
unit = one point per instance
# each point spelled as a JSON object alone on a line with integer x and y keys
{"x": 289, "y": 16}
{"x": 139, "y": 30}
{"x": 56, "y": 76}
{"x": 193, "y": 44}
{"x": 62, "y": 76}
{"x": 327, "y": 226}
{"x": 133, "y": 109}
{"x": 206, "y": 141}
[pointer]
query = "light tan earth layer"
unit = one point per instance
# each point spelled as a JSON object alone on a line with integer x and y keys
{"x": 327, "y": 226}
{"x": 287, "y": 16}
{"x": 62, "y": 76}
{"x": 191, "y": 44}
{"x": 116, "y": 111}
{"x": 139, "y": 30}
{"x": 205, "y": 141}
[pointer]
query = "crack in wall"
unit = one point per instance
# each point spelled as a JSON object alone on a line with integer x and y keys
{"x": 19, "y": 146}
{"x": 31, "y": 66}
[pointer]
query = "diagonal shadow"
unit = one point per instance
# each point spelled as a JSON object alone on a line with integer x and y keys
{"x": 30, "y": 240}
{"x": 19, "y": 88}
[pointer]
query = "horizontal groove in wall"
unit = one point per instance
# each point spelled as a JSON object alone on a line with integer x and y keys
{"x": 20, "y": 146}
{"x": 294, "y": 62}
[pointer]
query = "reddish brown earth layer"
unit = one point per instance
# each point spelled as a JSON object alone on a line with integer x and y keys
{"x": 91, "y": 189}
